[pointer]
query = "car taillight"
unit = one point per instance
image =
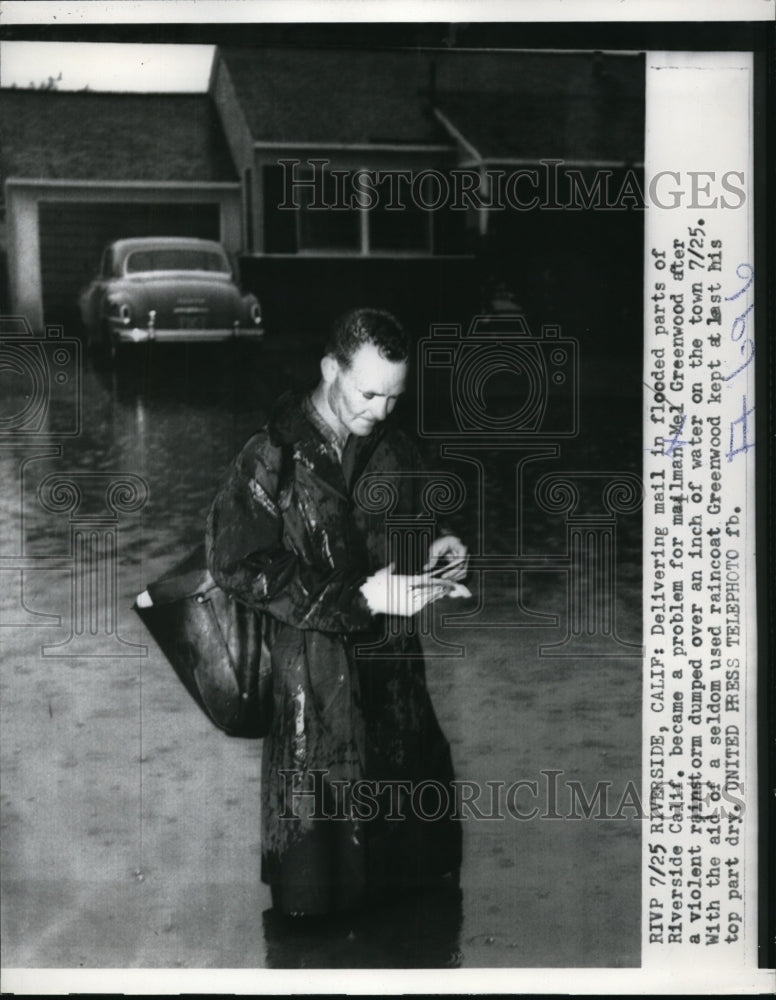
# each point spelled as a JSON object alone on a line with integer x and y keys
{"x": 125, "y": 314}
{"x": 256, "y": 313}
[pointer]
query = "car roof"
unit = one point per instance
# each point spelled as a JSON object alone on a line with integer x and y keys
{"x": 124, "y": 246}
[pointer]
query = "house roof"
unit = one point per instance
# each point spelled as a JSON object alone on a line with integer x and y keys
{"x": 535, "y": 128}
{"x": 332, "y": 95}
{"x": 526, "y": 105}
{"x": 82, "y": 135}
{"x": 506, "y": 104}
{"x": 534, "y": 106}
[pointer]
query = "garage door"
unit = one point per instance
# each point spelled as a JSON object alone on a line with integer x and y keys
{"x": 73, "y": 235}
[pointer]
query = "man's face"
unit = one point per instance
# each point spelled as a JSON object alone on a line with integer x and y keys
{"x": 363, "y": 394}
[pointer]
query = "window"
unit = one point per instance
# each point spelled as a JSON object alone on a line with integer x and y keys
{"x": 331, "y": 228}
{"x": 175, "y": 259}
{"x": 406, "y": 229}
{"x": 326, "y": 218}
{"x": 331, "y": 217}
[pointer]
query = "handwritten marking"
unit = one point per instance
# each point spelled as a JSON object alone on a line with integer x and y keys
{"x": 743, "y": 422}
{"x": 675, "y": 443}
{"x": 738, "y": 332}
{"x": 748, "y": 272}
{"x": 750, "y": 343}
{"x": 745, "y": 272}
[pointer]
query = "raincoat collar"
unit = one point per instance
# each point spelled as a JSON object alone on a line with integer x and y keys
{"x": 289, "y": 425}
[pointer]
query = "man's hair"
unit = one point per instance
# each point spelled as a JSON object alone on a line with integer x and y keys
{"x": 368, "y": 326}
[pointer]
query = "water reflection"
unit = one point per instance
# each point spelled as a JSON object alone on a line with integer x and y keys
{"x": 176, "y": 419}
{"x": 419, "y": 932}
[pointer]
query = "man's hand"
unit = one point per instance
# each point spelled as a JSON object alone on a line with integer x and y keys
{"x": 389, "y": 593}
{"x": 448, "y": 558}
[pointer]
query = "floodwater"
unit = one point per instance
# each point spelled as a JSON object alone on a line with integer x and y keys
{"x": 130, "y": 826}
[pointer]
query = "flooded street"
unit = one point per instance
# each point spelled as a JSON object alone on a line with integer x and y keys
{"x": 130, "y": 825}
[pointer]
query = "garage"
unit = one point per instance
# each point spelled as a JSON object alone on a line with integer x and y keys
{"x": 80, "y": 169}
{"x": 73, "y": 235}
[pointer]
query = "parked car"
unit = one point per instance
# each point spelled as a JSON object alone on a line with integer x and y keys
{"x": 166, "y": 289}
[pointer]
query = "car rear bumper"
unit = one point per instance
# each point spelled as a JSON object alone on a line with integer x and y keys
{"x": 139, "y": 335}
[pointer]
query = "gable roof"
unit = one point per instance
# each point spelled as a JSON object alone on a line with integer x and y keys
{"x": 542, "y": 105}
{"x": 334, "y": 95}
{"x": 532, "y": 105}
{"x": 82, "y": 135}
{"x": 527, "y": 105}
{"x": 541, "y": 127}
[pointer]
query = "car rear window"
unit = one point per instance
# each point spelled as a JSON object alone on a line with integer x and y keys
{"x": 171, "y": 259}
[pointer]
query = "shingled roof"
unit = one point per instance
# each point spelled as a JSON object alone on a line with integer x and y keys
{"x": 527, "y": 105}
{"x": 82, "y": 135}
{"x": 332, "y": 95}
{"x": 532, "y": 105}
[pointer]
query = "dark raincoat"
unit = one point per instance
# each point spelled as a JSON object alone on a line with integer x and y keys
{"x": 354, "y": 750}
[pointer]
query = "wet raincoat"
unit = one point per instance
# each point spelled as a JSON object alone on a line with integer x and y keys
{"x": 356, "y": 798}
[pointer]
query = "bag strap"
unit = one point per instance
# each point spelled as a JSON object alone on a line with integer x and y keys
{"x": 281, "y": 469}
{"x": 285, "y": 468}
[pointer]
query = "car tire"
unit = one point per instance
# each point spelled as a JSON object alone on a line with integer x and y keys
{"x": 110, "y": 347}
